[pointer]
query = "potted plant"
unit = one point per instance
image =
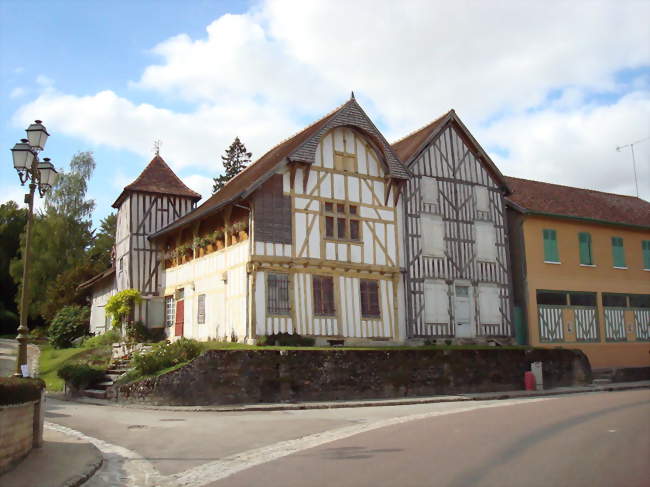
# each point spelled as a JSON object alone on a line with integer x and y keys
{"x": 240, "y": 228}
{"x": 217, "y": 238}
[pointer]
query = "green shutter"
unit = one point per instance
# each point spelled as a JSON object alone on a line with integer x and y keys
{"x": 645, "y": 246}
{"x": 584, "y": 239}
{"x": 551, "y": 253}
{"x": 618, "y": 252}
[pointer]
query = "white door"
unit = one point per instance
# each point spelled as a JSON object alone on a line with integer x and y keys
{"x": 462, "y": 313}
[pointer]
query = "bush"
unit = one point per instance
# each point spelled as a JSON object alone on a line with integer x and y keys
{"x": 165, "y": 354}
{"x": 69, "y": 323}
{"x": 80, "y": 375}
{"x": 102, "y": 340}
{"x": 120, "y": 305}
{"x": 288, "y": 340}
{"x": 14, "y": 390}
{"x": 8, "y": 321}
{"x": 39, "y": 332}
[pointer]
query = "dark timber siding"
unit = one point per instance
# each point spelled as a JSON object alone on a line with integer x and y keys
{"x": 272, "y": 213}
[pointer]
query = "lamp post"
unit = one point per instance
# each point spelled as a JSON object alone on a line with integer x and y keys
{"x": 42, "y": 176}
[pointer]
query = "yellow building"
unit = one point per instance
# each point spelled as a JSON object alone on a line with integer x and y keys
{"x": 581, "y": 270}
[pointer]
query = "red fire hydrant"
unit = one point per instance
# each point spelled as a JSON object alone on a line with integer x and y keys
{"x": 529, "y": 381}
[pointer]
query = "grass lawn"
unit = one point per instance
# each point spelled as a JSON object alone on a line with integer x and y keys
{"x": 52, "y": 359}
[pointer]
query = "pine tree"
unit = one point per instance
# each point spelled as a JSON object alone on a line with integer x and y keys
{"x": 236, "y": 159}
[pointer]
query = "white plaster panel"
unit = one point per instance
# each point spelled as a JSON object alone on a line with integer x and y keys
{"x": 339, "y": 187}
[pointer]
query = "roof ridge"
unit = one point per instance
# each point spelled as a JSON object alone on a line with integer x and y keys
{"x": 577, "y": 187}
{"x": 159, "y": 160}
{"x": 413, "y": 132}
{"x": 276, "y": 146}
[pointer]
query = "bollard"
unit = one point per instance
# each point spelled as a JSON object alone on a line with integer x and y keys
{"x": 529, "y": 381}
{"x": 536, "y": 369}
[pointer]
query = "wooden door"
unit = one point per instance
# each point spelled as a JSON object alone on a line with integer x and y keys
{"x": 462, "y": 312}
{"x": 180, "y": 318}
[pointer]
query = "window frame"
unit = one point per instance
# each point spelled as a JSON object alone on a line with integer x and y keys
{"x": 347, "y": 216}
{"x": 585, "y": 249}
{"x": 323, "y": 305}
{"x": 550, "y": 246}
{"x": 618, "y": 256}
{"x": 170, "y": 299}
{"x": 349, "y": 162}
{"x": 278, "y": 308}
{"x": 645, "y": 255}
{"x": 200, "y": 309}
{"x": 369, "y": 310}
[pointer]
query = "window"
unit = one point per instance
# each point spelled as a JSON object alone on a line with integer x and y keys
{"x": 121, "y": 263}
{"x": 486, "y": 245}
{"x": 341, "y": 221}
{"x": 277, "y": 294}
{"x": 433, "y": 235}
{"x": 482, "y": 199}
{"x": 489, "y": 305}
{"x": 645, "y": 249}
{"x": 614, "y": 300}
{"x": 345, "y": 162}
{"x": 436, "y": 302}
{"x": 582, "y": 299}
{"x": 551, "y": 298}
{"x": 170, "y": 310}
{"x": 429, "y": 191}
{"x": 200, "y": 307}
{"x": 584, "y": 241}
{"x": 551, "y": 253}
{"x": 369, "y": 298}
{"x": 639, "y": 300}
{"x": 618, "y": 252}
{"x": 323, "y": 288}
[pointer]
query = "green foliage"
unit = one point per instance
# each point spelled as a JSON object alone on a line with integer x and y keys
{"x": 201, "y": 242}
{"x": 39, "y": 332}
{"x": 70, "y": 322}
{"x": 80, "y": 376}
{"x": 61, "y": 233}
{"x": 137, "y": 332}
{"x": 216, "y": 235}
{"x": 12, "y": 225}
{"x": 120, "y": 305}
{"x": 8, "y": 322}
{"x": 165, "y": 354}
{"x": 15, "y": 390}
{"x": 108, "y": 338}
{"x": 240, "y": 226}
{"x": 235, "y": 159}
{"x": 288, "y": 340}
{"x": 100, "y": 251}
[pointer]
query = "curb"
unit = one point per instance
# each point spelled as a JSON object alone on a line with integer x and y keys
{"x": 483, "y": 396}
{"x": 81, "y": 478}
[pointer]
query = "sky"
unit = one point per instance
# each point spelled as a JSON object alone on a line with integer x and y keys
{"x": 549, "y": 89}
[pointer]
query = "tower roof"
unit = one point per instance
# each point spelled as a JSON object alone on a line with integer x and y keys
{"x": 158, "y": 177}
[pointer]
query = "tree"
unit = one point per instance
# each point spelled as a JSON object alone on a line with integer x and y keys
{"x": 12, "y": 225}
{"x": 236, "y": 159}
{"x": 103, "y": 241}
{"x": 61, "y": 234}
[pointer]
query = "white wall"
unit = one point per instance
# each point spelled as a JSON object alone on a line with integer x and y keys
{"x": 101, "y": 293}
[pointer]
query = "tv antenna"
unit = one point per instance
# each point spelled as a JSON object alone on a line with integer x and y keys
{"x": 156, "y": 146}
{"x": 631, "y": 146}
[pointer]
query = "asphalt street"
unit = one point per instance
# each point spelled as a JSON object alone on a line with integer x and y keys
{"x": 594, "y": 439}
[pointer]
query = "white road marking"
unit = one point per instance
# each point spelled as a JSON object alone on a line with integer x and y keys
{"x": 225, "y": 467}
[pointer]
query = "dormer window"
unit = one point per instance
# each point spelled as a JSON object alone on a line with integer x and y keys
{"x": 345, "y": 162}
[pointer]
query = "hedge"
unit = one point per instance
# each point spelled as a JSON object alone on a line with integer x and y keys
{"x": 80, "y": 375}
{"x": 16, "y": 390}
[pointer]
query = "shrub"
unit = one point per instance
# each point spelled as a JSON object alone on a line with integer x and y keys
{"x": 80, "y": 375}
{"x": 137, "y": 332}
{"x": 39, "y": 332}
{"x": 165, "y": 354}
{"x": 15, "y": 390}
{"x": 102, "y": 340}
{"x": 8, "y": 321}
{"x": 70, "y": 322}
{"x": 288, "y": 340}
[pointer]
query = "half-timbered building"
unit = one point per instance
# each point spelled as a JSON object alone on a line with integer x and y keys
{"x": 156, "y": 198}
{"x": 306, "y": 240}
{"x": 457, "y": 263}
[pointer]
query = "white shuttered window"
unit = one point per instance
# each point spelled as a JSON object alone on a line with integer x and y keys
{"x": 429, "y": 190}
{"x": 436, "y": 302}
{"x": 489, "y": 304}
{"x": 482, "y": 198}
{"x": 433, "y": 235}
{"x": 486, "y": 238}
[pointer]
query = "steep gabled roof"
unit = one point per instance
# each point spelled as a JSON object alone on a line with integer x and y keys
{"x": 300, "y": 148}
{"x": 409, "y": 148}
{"x": 549, "y": 199}
{"x": 158, "y": 177}
{"x": 98, "y": 278}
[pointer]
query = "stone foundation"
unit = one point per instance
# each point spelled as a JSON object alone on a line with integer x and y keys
{"x": 247, "y": 376}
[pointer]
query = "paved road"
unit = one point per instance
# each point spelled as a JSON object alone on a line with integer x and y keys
{"x": 585, "y": 439}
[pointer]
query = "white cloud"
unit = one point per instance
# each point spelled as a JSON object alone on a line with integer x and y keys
{"x": 577, "y": 147}
{"x": 200, "y": 184}
{"x": 17, "y": 193}
{"x": 17, "y": 92}
{"x": 261, "y": 74}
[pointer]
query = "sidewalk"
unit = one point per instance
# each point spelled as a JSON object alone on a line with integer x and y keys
{"x": 479, "y": 396}
{"x": 63, "y": 461}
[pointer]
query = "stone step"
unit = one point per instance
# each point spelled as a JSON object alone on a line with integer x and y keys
{"x": 103, "y": 385}
{"x": 597, "y": 382}
{"x": 113, "y": 377}
{"x": 116, "y": 371}
{"x": 95, "y": 393}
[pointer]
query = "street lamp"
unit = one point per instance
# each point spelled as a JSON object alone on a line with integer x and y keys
{"x": 41, "y": 175}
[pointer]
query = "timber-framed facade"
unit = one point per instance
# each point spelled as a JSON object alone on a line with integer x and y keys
{"x": 457, "y": 261}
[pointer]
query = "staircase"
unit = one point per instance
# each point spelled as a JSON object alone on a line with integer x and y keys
{"x": 116, "y": 369}
{"x": 602, "y": 376}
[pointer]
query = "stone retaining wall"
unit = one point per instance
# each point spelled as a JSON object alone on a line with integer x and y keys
{"x": 247, "y": 376}
{"x": 20, "y": 431}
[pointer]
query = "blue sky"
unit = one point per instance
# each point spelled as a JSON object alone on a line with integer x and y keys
{"x": 548, "y": 97}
